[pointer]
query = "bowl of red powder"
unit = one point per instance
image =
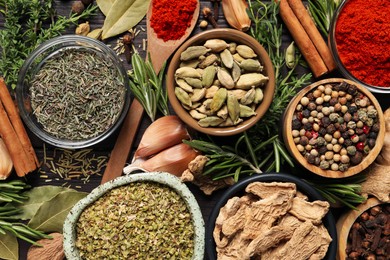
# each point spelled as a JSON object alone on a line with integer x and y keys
{"x": 359, "y": 39}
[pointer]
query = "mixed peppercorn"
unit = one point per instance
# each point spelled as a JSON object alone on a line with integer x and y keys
{"x": 335, "y": 126}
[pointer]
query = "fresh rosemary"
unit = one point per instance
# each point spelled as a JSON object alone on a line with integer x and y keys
{"x": 147, "y": 86}
{"x": 27, "y": 24}
{"x": 322, "y": 12}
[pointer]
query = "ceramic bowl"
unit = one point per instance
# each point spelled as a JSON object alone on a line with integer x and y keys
{"x": 238, "y": 189}
{"x": 335, "y": 53}
{"x": 229, "y": 35}
{"x": 54, "y": 48}
{"x": 292, "y": 147}
{"x": 71, "y": 251}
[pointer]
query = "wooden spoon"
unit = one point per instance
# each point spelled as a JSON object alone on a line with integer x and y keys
{"x": 160, "y": 52}
{"x": 159, "y": 49}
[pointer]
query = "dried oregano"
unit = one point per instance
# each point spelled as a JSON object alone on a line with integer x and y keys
{"x": 142, "y": 220}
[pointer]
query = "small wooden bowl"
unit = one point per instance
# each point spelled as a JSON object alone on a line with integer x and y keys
{"x": 292, "y": 148}
{"x": 345, "y": 223}
{"x": 239, "y": 38}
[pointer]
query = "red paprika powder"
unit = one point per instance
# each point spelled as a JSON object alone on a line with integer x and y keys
{"x": 363, "y": 40}
{"x": 171, "y": 18}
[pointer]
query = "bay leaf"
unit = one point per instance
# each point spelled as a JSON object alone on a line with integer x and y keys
{"x": 36, "y": 197}
{"x": 105, "y": 5}
{"x": 9, "y": 247}
{"x": 51, "y": 214}
{"x": 124, "y": 15}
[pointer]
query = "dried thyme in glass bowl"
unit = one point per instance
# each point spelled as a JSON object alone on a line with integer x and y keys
{"x": 139, "y": 216}
{"x": 73, "y": 91}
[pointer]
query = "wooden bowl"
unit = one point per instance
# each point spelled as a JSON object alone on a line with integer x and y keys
{"x": 292, "y": 148}
{"x": 345, "y": 223}
{"x": 239, "y": 38}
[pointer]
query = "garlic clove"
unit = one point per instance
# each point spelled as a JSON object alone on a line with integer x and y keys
{"x": 161, "y": 134}
{"x": 6, "y": 164}
{"x": 174, "y": 160}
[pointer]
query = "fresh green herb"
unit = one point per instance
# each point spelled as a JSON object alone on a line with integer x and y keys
{"x": 11, "y": 192}
{"x": 322, "y": 12}
{"x": 27, "y": 24}
{"x": 147, "y": 86}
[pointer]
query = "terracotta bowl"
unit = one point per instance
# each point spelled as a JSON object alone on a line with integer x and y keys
{"x": 345, "y": 223}
{"x": 292, "y": 147}
{"x": 228, "y": 35}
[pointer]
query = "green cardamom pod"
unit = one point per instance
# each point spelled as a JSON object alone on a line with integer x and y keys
{"x": 223, "y": 112}
{"x": 251, "y": 65}
{"x": 187, "y": 72}
{"x": 210, "y": 121}
{"x": 189, "y": 63}
{"x": 198, "y": 94}
{"x": 194, "y": 82}
{"x": 209, "y": 60}
{"x": 248, "y": 98}
{"x": 232, "y": 47}
{"x": 233, "y": 107}
{"x": 246, "y": 52}
{"x": 218, "y": 100}
{"x": 227, "y": 58}
{"x": 210, "y": 92}
{"x": 225, "y": 79}
{"x": 236, "y": 72}
{"x": 193, "y": 52}
{"x": 216, "y": 45}
{"x": 238, "y": 58}
{"x": 197, "y": 115}
{"x": 246, "y": 111}
{"x": 290, "y": 56}
{"x": 184, "y": 85}
{"x": 258, "y": 96}
{"x": 208, "y": 76}
{"x": 183, "y": 96}
{"x": 246, "y": 81}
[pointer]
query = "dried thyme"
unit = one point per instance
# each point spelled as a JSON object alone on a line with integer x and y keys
{"x": 142, "y": 220}
{"x": 77, "y": 95}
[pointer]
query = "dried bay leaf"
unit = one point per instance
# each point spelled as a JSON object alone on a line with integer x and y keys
{"x": 124, "y": 15}
{"x": 36, "y": 197}
{"x": 105, "y": 5}
{"x": 9, "y": 247}
{"x": 51, "y": 214}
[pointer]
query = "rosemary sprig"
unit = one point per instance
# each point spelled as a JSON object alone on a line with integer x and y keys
{"x": 147, "y": 86}
{"x": 28, "y": 23}
{"x": 322, "y": 12}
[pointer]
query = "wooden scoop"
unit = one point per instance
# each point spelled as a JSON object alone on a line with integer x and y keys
{"x": 159, "y": 49}
{"x": 159, "y": 52}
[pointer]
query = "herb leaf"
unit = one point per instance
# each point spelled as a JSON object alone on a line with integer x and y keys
{"x": 9, "y": 247}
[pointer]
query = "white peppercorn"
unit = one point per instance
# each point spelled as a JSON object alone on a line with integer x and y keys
{"x": 336, "y": 148}
{"x": 359, "y": 124}
{"x": 321, "y": 88}
{"x": 334, "y": 141}
{"x": 325, "y": 111}
{"x": 337, "y": 134}
{"x": 316, "y": 127}
{"x": 314, "y": 152}
{"x": 296, "y": 140}
{"x": 302, "y": 132}
{"x": 334, "y": 167}
{"x": 337, "y": 157}
{"x": 335, "y": 94}
{"x": 329, "y": 147}
{"x": 329, "y": 155}
{"x": 317, "y": 93}
{"x": 342, "y": 93}
{"x": 341, "y": 140}
{"x": 344, "y": 109}
{"x": 300, "y": 148}
{"x": 305, "y": 101}
{"x": 344, "y": 158}
{"x": 328, "y": 89}
{"x": 319, "y": 100}
{"x": 327, "y": 98}
{"x": 328, "y": 137}
{"x": 308, "y": 147}
{"x": 295, "y": 133}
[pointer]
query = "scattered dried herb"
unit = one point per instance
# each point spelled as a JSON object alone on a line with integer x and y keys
{"x": 142, "y": 220}
{"x": 79, "y": 89}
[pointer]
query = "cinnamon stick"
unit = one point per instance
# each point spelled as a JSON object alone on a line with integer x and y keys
{"x": 304, "y": 18}
{"x": 302, "y": 40}
{"x": 14, "y": 146}
{"x": 17, "y": 123}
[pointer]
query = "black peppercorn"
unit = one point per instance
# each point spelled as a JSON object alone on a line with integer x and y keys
{"x": 311, "y": 159}
{"x": 343, "y": 127}
{"x": 371, "y": 143}
{"x": 330, "y": 129}
{"x": 308, "y": 126}
{"x": 355, "y": 117}
{"x": 359, "y": 131}
{"x": 306, "y": 113}
{"x": 325, "y": 121}
{"x": 362, "y": 138}
{"x": 352, "y": 90}
{"x": 356, "y": 158}
{"x": 304, "y": 141}
{"x": 352, "y": 108}
{"x": 311, "y": 106}
{"x": 310, "y": 96}
{"x": 343, "y": 86}
{"x": 78, "y": 7}
{"x": 345, "y": 134}
{"x": 348, "y": 142}
{"x": 322, "y": 131}
{"x": 296, "y": 124}
{"x": 372, "y": 135}
{"x": 333, "y": 101}
{"x": 375, "y": 128}
{"x": 322, "y": 150}
{"x": 347, "y": 117}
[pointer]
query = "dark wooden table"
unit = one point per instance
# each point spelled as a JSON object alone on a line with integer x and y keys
{"x": 103, "y": 149}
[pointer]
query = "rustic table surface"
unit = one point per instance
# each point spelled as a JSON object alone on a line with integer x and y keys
{"x": 103, "y": 149}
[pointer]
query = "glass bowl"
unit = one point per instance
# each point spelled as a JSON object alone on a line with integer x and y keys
{"x": 334, "y": 50}
{"x": 238, "y": 190}
{"x": 97, "y": 109}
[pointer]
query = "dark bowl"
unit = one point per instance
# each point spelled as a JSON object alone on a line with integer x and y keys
{"x": 238, "y": 189}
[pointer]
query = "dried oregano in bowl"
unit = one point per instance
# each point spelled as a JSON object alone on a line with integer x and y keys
{"x": 140, "y": 216}
{"x": 221, "y": 82}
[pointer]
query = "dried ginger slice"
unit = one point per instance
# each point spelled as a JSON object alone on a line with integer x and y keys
{"x": 377, "y": 182}
{"x": 313, "y": 211}
{"x": 262, "y": 214}
{"x": 267, "y": 189}
{"x": 234, "y": 250}
{"x": 305, "y": 242}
